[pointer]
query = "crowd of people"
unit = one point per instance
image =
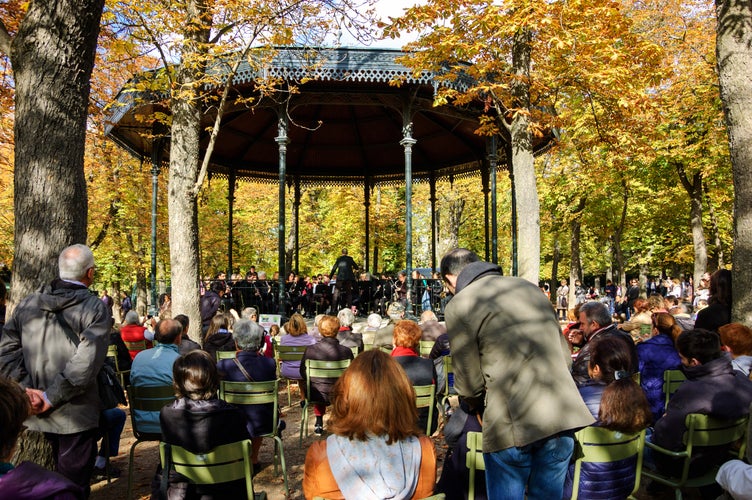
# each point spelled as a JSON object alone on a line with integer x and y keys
{"x": 520, "y": 380}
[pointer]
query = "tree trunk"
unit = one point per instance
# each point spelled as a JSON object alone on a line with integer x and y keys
{"x": 694, "y": 190}
{"x": 142, "y": 292}
{"x": 456, "y": 207}
{"x": 52, "y": 57}
{"x": 734, "y": 54}
{"x": 554, "y": 283}
{"x": 182, "y": 201}
{"x": 715, "y": 232}
{"x": 616, "y": 240}
{"x": 575, "y": 262}
{"x": 523, "y": 163}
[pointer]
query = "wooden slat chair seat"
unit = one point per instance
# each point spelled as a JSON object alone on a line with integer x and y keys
{"x": 322, "y": 370}
{"x": 622, "y": 452}
{"x": 225, "y": 463}
{"x": 702, "y": 430}
{"x": 288, "y": 353}
{"x": 259, "y": 393}
{"x": 145, "y": 399}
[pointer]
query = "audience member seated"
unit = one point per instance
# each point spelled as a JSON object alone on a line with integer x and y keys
{"x": 736, "y": 341}
{"x": 639, "y": 321}
{"x": 430, "y": 326}
{"x": 419, "y": 370}
{"x": 112, "y": 422}
{"x": 327, "y": 349}
{"x": 455, "y": 475}
{"x": 735, "y": 477}
{"x": 595, "y": 323}
{"x": 346, "y": 336}
{"x": 682, "y": 313}
{"x": 385, "y": 335}
{"x": 373, "y": 324}
{"x": 250, "y": 366}
{"x": 712, "y": 388}
{"x": 199, "y": 422}
{"x": 718, "y": 311}
{"x": 375, "y": 450}
{"x": 186, "y": 344}
{"x": 218, "y": 336}
{"x": 153, "y": 368}
{"x": 655, "y": 356}
{"x": 132, "y": 331}
{"x": 27, "y": 481}
{"x": 618, "y": 404}
{"x": 297, "y": 335}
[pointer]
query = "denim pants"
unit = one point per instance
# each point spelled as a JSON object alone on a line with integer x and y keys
{"x": 539, "y": 468}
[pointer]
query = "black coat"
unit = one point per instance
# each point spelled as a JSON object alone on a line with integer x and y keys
{"x": 327, "y": 349}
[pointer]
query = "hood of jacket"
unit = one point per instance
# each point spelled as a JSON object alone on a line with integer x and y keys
{"x": 475, "y": 271}
{"x": 714, "y": 368}
{"x": 60, "y": 295}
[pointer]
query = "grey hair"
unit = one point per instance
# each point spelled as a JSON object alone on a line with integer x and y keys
{"x": 345, "y": 317}
{"x": 598, "y": 312}
{"x": 74, "y": 261}
{"x": 132, "y": 318}
{"x": 428, "y": 315}
{"x": 248, "y": 312}
{"x": 248, "y": 334}
{"x": 261, "y": 275}
{"x": 374, "y": 320}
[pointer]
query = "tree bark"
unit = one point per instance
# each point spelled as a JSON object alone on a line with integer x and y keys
{"x": 523, "y": 163}
{"x": 734, "y": 54}
{"x": 182, "y": 200}
{"x": 695, "y": 192}
{"x": 52, "y": 57}
{"x": 714, "y": 231}
{"x": 616, "y": 240}
{"x": 554, "y": 283}
{"x": 575, "y": 262}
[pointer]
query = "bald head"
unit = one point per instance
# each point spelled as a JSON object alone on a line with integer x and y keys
{"x": 76, "y": 263}
{"x": 168, "y": 331}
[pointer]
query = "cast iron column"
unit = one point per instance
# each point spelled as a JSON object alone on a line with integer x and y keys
{"x": 493, "y": 158}
{"x": 296, "y": 208}
{"x": 156, "y": 160}
{"x": 408, "y": 142}
{"x": 230, "y": 208}
{"x": 486, "y": 190}
{"x": 432, "y": 185}
{"x": 367, "y": 205}
{"x": 282, "y": 141}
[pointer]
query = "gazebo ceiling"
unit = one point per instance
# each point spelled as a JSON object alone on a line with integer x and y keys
{"x": 345, "y": 124}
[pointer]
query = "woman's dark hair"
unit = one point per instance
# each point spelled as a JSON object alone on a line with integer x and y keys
{"x": 624, "y": 406}
{"x": 14, "y": 408}
{"x": 195, "y": 376}
{"x": 702, "y": 345}
{"x": 720, "y": 287}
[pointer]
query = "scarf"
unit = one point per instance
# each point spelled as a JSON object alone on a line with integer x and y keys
{"x": 403, "y": 351}
{"x": 372, "y": 469}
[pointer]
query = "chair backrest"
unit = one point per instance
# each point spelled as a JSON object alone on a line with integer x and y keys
{"x": 288, "y": 353}
{"x": 448, "y": 374}
{"x": 425, "y": 397}
{"x": 251, "y": 393}
{"x": 136, "y": 345}
{"x": 354, "y": 350}
{"x": 474, "y": 460}
{"x": 316, "y": 368}
{"x": 142, "y": 398}
{"x": 704, "y": 430}
{"x": 623, "y": 454}
{"x": 226, "y": 354}
{"x": 228, "y": 462}
{"x": 425, "y": 347}
{"x": 672, "y": 379}
{"x": 112, "y": 353}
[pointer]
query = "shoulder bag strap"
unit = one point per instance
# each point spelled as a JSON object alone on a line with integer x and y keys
{"x": 243, "y": 370}
{"x": 67, "y": 328}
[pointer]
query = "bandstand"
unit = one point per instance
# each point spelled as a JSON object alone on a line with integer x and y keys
{"x": 347, "y": 124}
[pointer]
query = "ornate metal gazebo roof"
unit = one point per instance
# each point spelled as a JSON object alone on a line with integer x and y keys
{"x": 346, "y": 122}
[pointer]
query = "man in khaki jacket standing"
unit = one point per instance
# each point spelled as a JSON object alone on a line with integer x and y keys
{"x": 508, "y": 356}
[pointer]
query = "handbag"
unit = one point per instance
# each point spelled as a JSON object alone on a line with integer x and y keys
{"x": 111, "y": 393}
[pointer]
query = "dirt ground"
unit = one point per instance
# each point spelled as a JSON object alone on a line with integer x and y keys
{"x": 147, "y": 458}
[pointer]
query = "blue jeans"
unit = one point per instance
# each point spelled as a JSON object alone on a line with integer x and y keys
{"x": 539, "y": 467}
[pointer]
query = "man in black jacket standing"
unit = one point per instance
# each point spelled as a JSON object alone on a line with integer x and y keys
{"x": 344, "y": 268}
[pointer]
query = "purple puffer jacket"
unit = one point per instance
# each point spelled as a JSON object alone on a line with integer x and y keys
{"x": 603, "y": 481}
{"x": 655, "y": 356}
{"x": 29, "y": 481}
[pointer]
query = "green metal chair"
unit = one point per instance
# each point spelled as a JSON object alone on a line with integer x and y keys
{"x": 225, "y": 463}
{"x": 437, "y": 496}
{"x": 702, "y": 430}
{"x": 672, "y": 379}
{"x": 600, "y": 445}
{"x": 425, "y": 347}
{"x": 145, "y": 399}
{"x": 448, "y": 388}
{"x": 425, "y": 397}
{"x": 112, "y": 353}
{"x": 226, "y": 354}
{"x": 288, "y": 353}
{"x": 474, "y": 460}
{"x": 259, "y": 393}
{"x": 321, "y": 370}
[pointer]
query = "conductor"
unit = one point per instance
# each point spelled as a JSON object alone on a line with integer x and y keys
{"x": 344, "y": 268}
